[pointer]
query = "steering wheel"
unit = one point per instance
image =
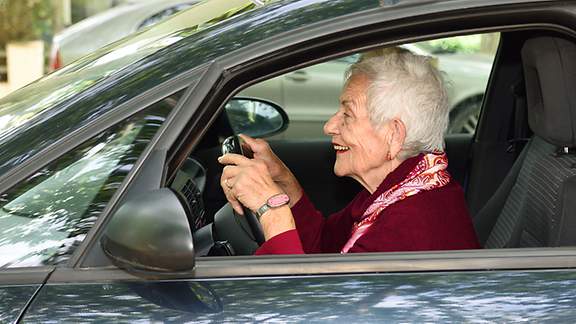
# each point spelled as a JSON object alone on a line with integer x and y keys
{"x": 233, "y": 144}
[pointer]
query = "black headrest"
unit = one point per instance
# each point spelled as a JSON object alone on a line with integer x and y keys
{"x": 550, "y": 74}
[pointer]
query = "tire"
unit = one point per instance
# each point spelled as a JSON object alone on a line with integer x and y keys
{"x": 464, "y": 118}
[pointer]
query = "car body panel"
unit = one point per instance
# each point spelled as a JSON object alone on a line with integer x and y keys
{"x": 433, "y": 297}
{"x": 13, "y": 301}
{"x": 17, "y": 289}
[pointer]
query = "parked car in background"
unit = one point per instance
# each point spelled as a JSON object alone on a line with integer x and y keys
{"x": 110, "y": 202}
{"x": 109, "y": 26}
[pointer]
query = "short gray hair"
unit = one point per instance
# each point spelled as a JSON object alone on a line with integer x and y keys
{"x": 408, "y": 87}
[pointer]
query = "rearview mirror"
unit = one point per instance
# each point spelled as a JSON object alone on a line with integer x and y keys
{"x": 150, "y": 233}
{"x": 255, "y": 117}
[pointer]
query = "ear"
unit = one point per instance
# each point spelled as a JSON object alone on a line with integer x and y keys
{"x": 397, "y": 137}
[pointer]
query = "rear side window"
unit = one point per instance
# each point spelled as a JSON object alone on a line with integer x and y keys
{"x": 44, "y": 218}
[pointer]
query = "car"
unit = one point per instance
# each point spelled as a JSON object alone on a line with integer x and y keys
{"x": 109, "y": 26}
{"x": 110, "y": 205}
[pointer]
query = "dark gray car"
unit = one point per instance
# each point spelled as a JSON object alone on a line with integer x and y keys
{"x": 111, "y": 209}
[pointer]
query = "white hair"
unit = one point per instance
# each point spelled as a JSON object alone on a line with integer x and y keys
{"x": 408, "y": 87}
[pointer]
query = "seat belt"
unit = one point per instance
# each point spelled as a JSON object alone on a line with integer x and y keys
{"x": 519, "y": 132}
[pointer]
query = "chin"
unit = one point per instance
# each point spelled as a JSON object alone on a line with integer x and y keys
{"x": 339, "y": 172}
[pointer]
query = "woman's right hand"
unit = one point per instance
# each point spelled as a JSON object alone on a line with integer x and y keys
{"x": 278, "y": 170}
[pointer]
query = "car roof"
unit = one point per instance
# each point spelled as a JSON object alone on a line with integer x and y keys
{"x": 93, "y": 86}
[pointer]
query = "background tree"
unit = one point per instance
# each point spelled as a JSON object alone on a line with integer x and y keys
{"x": 24, "y": 20}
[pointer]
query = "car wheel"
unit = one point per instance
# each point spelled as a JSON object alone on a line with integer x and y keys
{"x": 464, "y": 118}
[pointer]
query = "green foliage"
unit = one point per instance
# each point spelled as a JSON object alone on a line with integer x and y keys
{"x": 22, "y": 20}
{"x": 459, "y": 44}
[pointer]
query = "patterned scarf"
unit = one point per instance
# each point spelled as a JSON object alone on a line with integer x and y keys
{"x": 430, "y": 173}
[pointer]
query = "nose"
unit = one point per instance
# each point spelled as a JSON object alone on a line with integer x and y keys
{"x": 331, "y": 126}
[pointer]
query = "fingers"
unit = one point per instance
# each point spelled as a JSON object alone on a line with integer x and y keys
{"x": 237, "y": 207}
{"x": 227, "y": 183}
{"x": 256, "y": 145}
{"x": 233, "y": 159}
{"x": 230, "y": 171}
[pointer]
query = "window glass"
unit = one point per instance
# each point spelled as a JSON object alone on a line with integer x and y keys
{"x": 44, "y": 218}
{"x": 310, "y": 95}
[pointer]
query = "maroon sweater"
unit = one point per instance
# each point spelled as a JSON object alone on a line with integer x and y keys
{"x": 430, "y": 220}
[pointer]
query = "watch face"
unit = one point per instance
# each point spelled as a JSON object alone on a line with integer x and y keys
{"x": 278, "y": 200}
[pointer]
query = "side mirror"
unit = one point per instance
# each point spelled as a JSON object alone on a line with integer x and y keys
{"x": 150, "y": 233}
{"x": 255, "y": 117}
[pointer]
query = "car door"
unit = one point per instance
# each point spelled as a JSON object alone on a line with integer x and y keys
{"x": 241, "y": 290}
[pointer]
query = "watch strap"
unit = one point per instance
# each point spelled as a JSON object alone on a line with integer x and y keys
{"x": 263, "y": 209}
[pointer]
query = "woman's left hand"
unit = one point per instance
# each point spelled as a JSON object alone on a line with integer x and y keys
{"x": 246, "y": 182}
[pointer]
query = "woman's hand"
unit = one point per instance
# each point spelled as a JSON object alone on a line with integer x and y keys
{"x": 278, "y": 171}
{"x": 246, "y": 182}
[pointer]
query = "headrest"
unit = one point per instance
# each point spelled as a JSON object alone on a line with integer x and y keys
{"x": 550, "y": 74}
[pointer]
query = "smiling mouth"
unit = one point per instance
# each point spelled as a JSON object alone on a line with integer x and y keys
{"x": 340, "y": 148}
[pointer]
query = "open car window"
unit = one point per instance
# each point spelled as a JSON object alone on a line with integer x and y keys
{"x": 310, "y": 95}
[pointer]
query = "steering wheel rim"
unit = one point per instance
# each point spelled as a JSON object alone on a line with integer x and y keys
{"x": 233, "y": 144}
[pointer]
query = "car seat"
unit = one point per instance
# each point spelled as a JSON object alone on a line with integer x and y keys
{"x": 535, "y": 206}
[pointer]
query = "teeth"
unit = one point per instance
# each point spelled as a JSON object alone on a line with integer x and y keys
{"x": 341, "y": 148}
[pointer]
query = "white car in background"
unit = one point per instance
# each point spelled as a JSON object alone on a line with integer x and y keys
{"x": 109, "y": 26}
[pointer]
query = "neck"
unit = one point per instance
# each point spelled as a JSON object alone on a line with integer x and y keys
{"x": 373, "y": 178}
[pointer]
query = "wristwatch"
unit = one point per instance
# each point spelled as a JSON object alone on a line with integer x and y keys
{"x": 275, "y": 201}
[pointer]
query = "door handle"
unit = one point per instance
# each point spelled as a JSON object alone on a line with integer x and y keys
{"x": 298, "y": 76}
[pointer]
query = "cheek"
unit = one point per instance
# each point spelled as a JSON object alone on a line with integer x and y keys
{"x": 372, "y": 151}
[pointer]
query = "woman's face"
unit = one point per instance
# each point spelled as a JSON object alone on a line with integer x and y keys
{"x": 361, "y": 150}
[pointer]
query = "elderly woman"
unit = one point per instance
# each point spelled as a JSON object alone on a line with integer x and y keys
{"x": 388, "y": 136}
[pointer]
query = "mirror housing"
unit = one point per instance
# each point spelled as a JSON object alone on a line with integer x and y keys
{"x": 150, "y": 233}
{"x": 255, "y": 117}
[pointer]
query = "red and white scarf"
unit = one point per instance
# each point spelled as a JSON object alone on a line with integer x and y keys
{"x": 430, "y": 173}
